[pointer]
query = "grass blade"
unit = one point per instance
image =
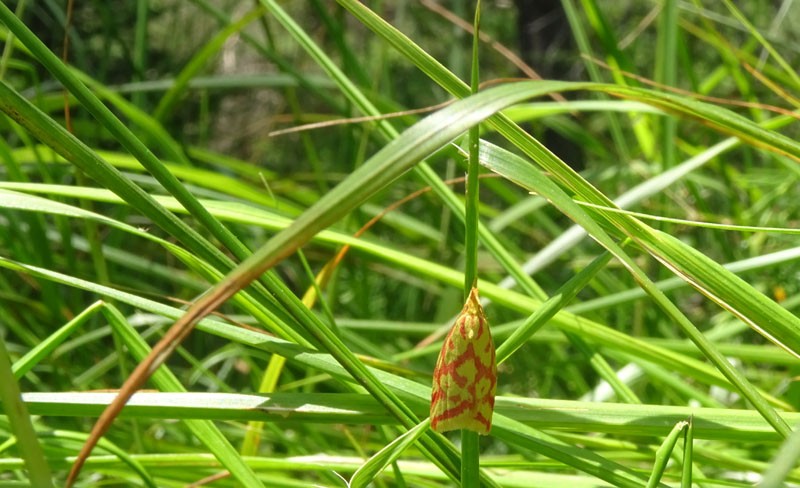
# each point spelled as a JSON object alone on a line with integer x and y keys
{"x": 205, "y": 430}
{"x": 516, "y": 169}
{"x": 21, "y": 426}
{"x": 377, "y": 463}
{"x": 549, "y": 308}
{"x": 470, "y": 445}
{"x": 688, "y": 458}
{"x": 663, "y": 453}
{"x": 32, "y": 357}
{"x": 417, "y": 395}
{"x": 784, "y": 462}
{"x": 589, "y": 330}
{"x": 386, "y": 165}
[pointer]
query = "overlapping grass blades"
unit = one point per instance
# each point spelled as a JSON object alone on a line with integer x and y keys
{"x": 200, "y": 242}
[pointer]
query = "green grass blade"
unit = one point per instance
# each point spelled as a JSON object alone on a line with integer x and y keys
{"x": 205, "y": 430}
{"x": 377, "y": 463}
{"x": 423, "y": 170}
{"x": 663, "y": 454}
{"x": 688, "y": 458}
{"x": 784, "y": 462}
{"x": 666, "y": 74}
{"x": 504, "y": 427}
{"x": 21, "y": 426}
{"x": 550, "y": 307}
{"x": 589, "y": 330}
{"x": 559, "y": 416}
{"x": 32, "y": 357}
{"x": 516, "y": 169}
{"x": 140, "y": 47}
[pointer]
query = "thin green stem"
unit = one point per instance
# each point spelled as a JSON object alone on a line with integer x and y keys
{"x": 470, "y": 458}
{"x": 140, "y": 49}
{"x": 666, "y": 73}
{"x": 471, "y": 207}
{"x": 470, "y": 451}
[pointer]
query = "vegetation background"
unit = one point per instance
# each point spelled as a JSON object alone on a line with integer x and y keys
{"x": 665, "y": 369}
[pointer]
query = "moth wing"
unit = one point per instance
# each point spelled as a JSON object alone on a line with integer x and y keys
{"x": 449, "y": 395}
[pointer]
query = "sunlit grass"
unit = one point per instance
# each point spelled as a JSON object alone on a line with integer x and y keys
{"x": 661, "y": 350}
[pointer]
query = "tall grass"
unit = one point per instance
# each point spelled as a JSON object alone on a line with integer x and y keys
{"x": 662, "y": 351}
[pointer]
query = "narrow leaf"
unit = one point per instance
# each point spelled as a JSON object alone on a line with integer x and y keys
{"x": 663, "y": 453}
{"x": 377, "y": 463}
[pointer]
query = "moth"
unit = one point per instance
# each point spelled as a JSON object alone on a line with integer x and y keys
{"x": 465, "y": 377}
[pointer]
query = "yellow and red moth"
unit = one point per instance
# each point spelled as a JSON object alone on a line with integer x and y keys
{"x": 465, "y": 378}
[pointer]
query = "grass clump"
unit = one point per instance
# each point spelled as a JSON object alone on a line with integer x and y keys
{"x": 634, "y": 241}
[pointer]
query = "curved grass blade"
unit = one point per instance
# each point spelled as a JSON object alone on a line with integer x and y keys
{"x": 32, "y": 357}
{"x": 714, "y": 116}
{"x": 377, "y": 463}
{"x": 417, "y": 395}
{"x": 589, "y": 330}
{"x": 205, "y": 430}
{"x": 386, "y": 165}
{"x": 423, "y": 170}
{"x": 524, "y": 174}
